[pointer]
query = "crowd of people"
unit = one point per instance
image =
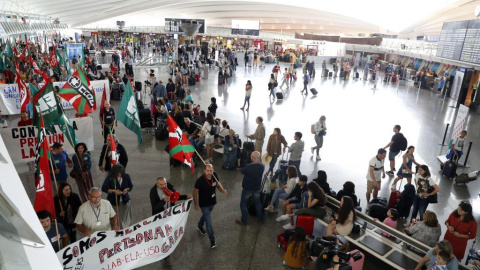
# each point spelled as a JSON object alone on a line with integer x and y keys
{"x": 294, "y": 193}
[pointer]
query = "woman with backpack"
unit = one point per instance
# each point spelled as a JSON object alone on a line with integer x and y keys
{"x": 426, "y": 188}
{"x": 406, "y": 169}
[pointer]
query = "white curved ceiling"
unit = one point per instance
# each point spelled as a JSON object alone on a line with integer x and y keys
{"x": 422, "y": 17}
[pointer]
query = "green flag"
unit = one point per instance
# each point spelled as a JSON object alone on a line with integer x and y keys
{"x": 46, "y": 104}
{"x": 128, "y": 112}
{"x": 61, "y": 120}
{"x": 7, "y": 54}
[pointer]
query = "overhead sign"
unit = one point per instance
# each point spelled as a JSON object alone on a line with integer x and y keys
{"x": 146, "y": 242}
{"x": 245, "y": 27}
{"x": 173, "y": 25}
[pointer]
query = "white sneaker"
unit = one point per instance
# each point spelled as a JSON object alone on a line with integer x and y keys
{"x": 268, "y": 208}
{"x": 282, "y": 218}
{"x": 288, "y": 226}
{"x": 318, "y": 158}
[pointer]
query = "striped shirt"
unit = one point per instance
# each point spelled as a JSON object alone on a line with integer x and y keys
{"x": 87, "y": 216}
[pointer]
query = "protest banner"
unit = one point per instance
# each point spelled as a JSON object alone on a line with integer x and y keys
{"x": 21, "y": 141}
{"x": 10, "y": 102}
{"x": 148, "y": 241}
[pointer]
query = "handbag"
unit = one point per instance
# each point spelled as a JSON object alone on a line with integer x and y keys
{"x": 432, "y": 198}
{"x": 322, "y": 132}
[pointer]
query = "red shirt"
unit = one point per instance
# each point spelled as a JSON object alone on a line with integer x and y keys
{"x": 23, "y": 123}
{"x": 460, "y": 244}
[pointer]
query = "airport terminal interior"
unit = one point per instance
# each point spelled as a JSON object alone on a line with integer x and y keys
{"x": 369, "y": 75}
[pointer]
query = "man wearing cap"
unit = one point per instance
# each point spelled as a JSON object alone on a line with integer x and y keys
{"x": 60, "y": 160}
{"x": 252, "y": 186}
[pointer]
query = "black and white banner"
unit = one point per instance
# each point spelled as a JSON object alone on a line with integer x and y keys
{"x": 146, "y": 242}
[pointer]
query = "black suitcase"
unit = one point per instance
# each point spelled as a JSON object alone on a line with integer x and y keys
{"x": 265, "y": 198}
{"x": 279, "y": 95}
{"x": 325, "y": 73}
{"x": 249, "y": 146}
{"x": 245, "y": 157}
{"x": 406, "y": 201}
{"x": 191, "y": 81}
{"x": 138, "y": 86}
{"x": 161, "y": 131}
{"x": 377, "y": 208}
{"x": 116, "y": 94}
{"x": 314, "y": 91}
{"x": 330, "y": 74}
{"x": 450, "y": 169}
{"x": 357, "y": 75}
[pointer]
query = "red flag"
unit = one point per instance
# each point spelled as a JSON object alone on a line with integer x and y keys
{"x": 37, "y": 70}
{"x": 113, "y": 149}
{"x": 179, "y": 146}
{"x": 53, "y": 58}
{"x": 22, "y": 87}
{"x": 44, "y": 195}
{"x": 17, "y": 54}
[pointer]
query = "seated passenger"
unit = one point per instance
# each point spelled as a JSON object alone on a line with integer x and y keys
{"x": 429, "y": 259}
{"x": 427, "y": 231}
{"x": 283, "y": 192}
{"x": 321, "y": 180}
{"x": 391, "y": 220}
{"x": 348, "y": 190}
{"x": 294, "y": 199}
{"x": 296, "y": 254}
{"x": 343, "y": 223}
{"x": 316, "y": 204}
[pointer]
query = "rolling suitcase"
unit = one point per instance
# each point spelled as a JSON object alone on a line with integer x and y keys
{"x": 394, "y": 79}
{"x": 283, "y": 165}
{"x": 377, "y": 208}
{"x": 279, "y": 95}
{"x": 450, "y": 169}
{"x": 394, "y": 197}
{"x": 405, "y": 203}
{"x": 295, "y": 76}
{"x": 314, "y": 91}
{"x": 249, "y": 146}
{"x": 191, "y": 81}
{"x": 357, "y": 259}
{"x": 325, "y": 73}
{"x": 245, "y": 157}
{"x": 197, "y": 77}
{"x": 357, "y": 75}
{"x": 306, "y": 221}
{"x": 282, "y": 239}
{"x": 221, "y": 81}
{"x": 161, "y": 131}
{"x": 138, "y": 86}
{"x": 330, "y": 74}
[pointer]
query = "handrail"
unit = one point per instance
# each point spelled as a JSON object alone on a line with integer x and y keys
{"x": 406, "y": 240}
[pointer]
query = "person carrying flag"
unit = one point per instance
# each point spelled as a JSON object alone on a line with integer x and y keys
{"x": 107, "y": 118}
{"x": 105, "y": 160}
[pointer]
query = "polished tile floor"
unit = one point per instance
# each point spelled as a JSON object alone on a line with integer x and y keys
{"x": 359, "y": 122}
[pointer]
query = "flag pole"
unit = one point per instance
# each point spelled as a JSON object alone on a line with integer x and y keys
{"x": 106, "y": 149}
{"x": 58, "y": 235}
{"x": 70, "y": 136}
{"x": 203, "y": 161}
{"x": 55, "y": 181}
{"x": 116, "y": 202}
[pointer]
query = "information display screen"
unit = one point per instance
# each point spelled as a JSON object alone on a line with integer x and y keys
{"x": 471, "y": 45}
{"x": 173, "y": 25}
{"x": 452, "y": 38}
{"x": 245, "y": 27}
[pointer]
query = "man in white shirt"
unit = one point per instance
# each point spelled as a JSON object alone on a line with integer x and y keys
{"x": 457, "y": 146}
{"x": 96, "y": 214}
{"x": 375, "y": 171}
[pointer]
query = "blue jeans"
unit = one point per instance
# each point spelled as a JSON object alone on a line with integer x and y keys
{"x": 295, "y": 163}
{"x": 451, "y": 153}
{"x": 419, "y": 206}
{"x": 246, "y": 194}
{"x": 279, "y": 193}
{"x": 272, "y": 92}
{"x": 272, "y": 163}
{"x": 207, "y": 218}
{"x": 247, "y": 100}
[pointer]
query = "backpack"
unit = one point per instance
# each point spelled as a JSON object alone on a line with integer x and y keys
{"x": 213, "y": 130}
{"x": 403, "y": 143}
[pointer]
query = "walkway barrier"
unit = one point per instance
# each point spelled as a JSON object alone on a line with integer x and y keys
{"x": 391, "y": 250}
